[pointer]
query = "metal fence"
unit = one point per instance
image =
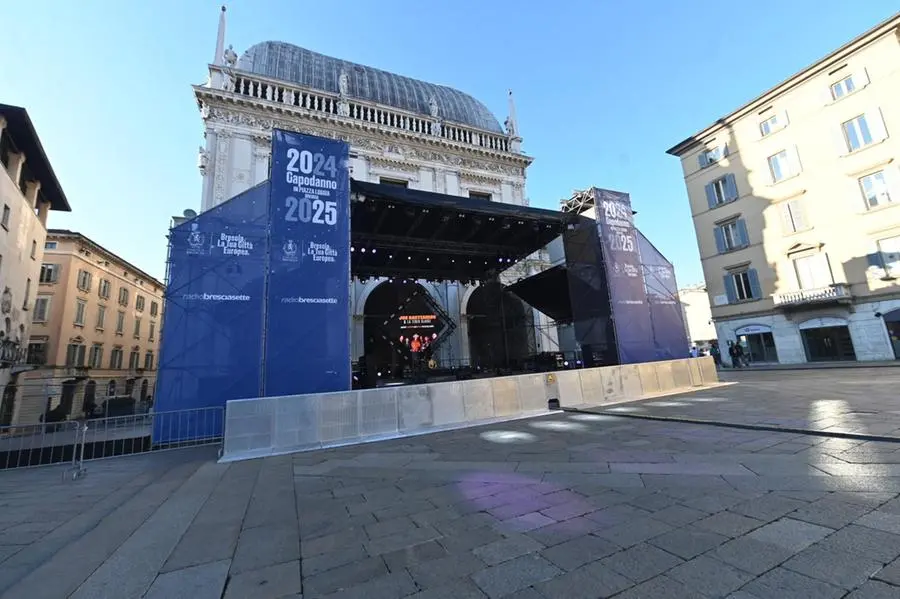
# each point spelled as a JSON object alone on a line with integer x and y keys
{"x": 74, "y": 441}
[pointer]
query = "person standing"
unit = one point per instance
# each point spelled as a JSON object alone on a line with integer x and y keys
{"x": 741, "y": 357}
{"x": 716, "y": 354}
{"x": 732, "y": 353}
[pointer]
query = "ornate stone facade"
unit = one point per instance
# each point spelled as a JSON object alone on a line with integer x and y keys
{"x": 425, "y": 150}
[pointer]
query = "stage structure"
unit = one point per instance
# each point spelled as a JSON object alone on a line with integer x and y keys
{"x": 615, "y": 289}
{"x": 258, "y": 287}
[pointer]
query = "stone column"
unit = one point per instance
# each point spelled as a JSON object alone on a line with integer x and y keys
{"x": 222, "y": 161}
{"x": 206, "y": 200}
{"x": 261, "y": 153}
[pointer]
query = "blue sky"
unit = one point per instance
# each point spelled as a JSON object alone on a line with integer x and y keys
{"x": 602, "y": 88}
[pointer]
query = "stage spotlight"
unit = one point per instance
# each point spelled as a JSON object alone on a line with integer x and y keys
{"x": 374, "y": 250}
{"x": 352, "y": 249}
{"x": 363, "y": 250}
{"x": 566, "y": 363}
{"x": 427, "y": 259}
{"x": 379, "y": 374}
{"x": 453, "y": 260}
{"x": 390, "y": 256}
{"x": 499, "y": 260}
{"x": 409, "y": 257}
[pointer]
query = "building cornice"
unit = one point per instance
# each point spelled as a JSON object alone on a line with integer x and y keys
{"x": 373, "y": 143}
{"x": 63, "y": 234}
{"x": 209, "y": 97}
{"x": 890, "y": 26}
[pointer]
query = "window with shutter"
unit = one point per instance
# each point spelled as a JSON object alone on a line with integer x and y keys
{"x": 792, "y": 217}
{"x": 844, "y": 87}
{"x": 773, "y": 123}
{"x": 719, "y": 236}
{"x": 780, "y": 166}
{"x": 84, "y": 280}
{"x": 41, "y": 308}
{"x": 721, "y": 191}
{"x": 753, "y": 283}
{"x": 730, "y": 189}
{"x": 743, "y": 237}
{"x": 813, "y": 272}
{"x": 863, "y": 130}
{"x": 732, "y": 236}
{"x": 80, "y": 308}
{"x": 49, "y": 273}
{"x": 875, "y": 189}
{"x": 741, "y": 285}
{"x": 730, "y": 291}
{"x": 712, "y": 155}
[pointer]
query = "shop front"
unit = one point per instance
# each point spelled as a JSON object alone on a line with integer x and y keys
{"x": 892, "y": 322}
{"x": 758, "y": 342}
{"x": 827, "y": 339}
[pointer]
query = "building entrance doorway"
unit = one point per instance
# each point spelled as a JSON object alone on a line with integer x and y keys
{"x": 892, "y": 322}
{"x": 758, "y": 343}
{"x": 759, "y": 347}
{"x": 828, "y": 344}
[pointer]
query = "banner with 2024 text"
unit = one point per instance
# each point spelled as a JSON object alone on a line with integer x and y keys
{"x": 308, "y": 297}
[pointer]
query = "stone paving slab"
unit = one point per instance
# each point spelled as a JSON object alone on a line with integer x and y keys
{"x": 568, "y": 505}
{"x": 857, "y": 400}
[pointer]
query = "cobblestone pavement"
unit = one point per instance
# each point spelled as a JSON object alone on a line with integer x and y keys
{"x": 858, "y": 400}
{"x": 565, "y": 506}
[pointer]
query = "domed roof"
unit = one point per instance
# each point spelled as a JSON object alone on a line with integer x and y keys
{"x": 287, "y": 62}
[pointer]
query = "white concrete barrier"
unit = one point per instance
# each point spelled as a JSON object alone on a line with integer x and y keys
{"x": 276, "y": 425}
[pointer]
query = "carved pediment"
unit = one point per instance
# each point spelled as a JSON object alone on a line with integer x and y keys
{"x": 800, "y": 248}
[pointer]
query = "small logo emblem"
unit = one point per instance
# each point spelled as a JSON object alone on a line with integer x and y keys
{"x": 290, "y": 249}
{"x": 196, "y": 239}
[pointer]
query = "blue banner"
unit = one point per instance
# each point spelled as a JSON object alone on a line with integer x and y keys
{"x": 212, "y": 330}
{"x": 622, "y": 263}
{"x": 667, "y": 319}
{"x": 308, "y": 297}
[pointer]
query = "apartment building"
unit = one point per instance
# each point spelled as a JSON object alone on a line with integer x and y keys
{"x": 94, "y": 335}
{"x": 697, "y": 315}
{"x": 29, "y": 189}
{"x": 794, "y": 198}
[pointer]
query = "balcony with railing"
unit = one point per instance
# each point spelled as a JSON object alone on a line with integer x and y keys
{"x": 836, "y": 293}
{"x": 279, "y": 94}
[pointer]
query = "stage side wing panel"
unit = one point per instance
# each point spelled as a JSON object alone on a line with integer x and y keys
{"x": 670, "y": 340}
{"x": 211, "y": 334}
{"x": 621, "y": 259}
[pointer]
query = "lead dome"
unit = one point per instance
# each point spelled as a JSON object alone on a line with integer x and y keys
{"x": 287, "y": 62}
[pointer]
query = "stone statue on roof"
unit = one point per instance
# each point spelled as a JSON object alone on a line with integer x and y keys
{"x": 344, "y": 83}
{"x": 433, "y": 106}
{"x": 230, "y": 57}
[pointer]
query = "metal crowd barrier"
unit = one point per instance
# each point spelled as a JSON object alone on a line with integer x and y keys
{"x": 77, "y": 441}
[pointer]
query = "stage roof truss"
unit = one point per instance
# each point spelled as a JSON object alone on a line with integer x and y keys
{"x": 417, "y": 234}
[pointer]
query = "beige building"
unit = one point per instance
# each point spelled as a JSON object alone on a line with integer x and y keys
{"x": 94, "y": 333}
{"x": 28, "y": 191}
{"x": 697, "y": 315}
{"x": 794, "y": 198}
